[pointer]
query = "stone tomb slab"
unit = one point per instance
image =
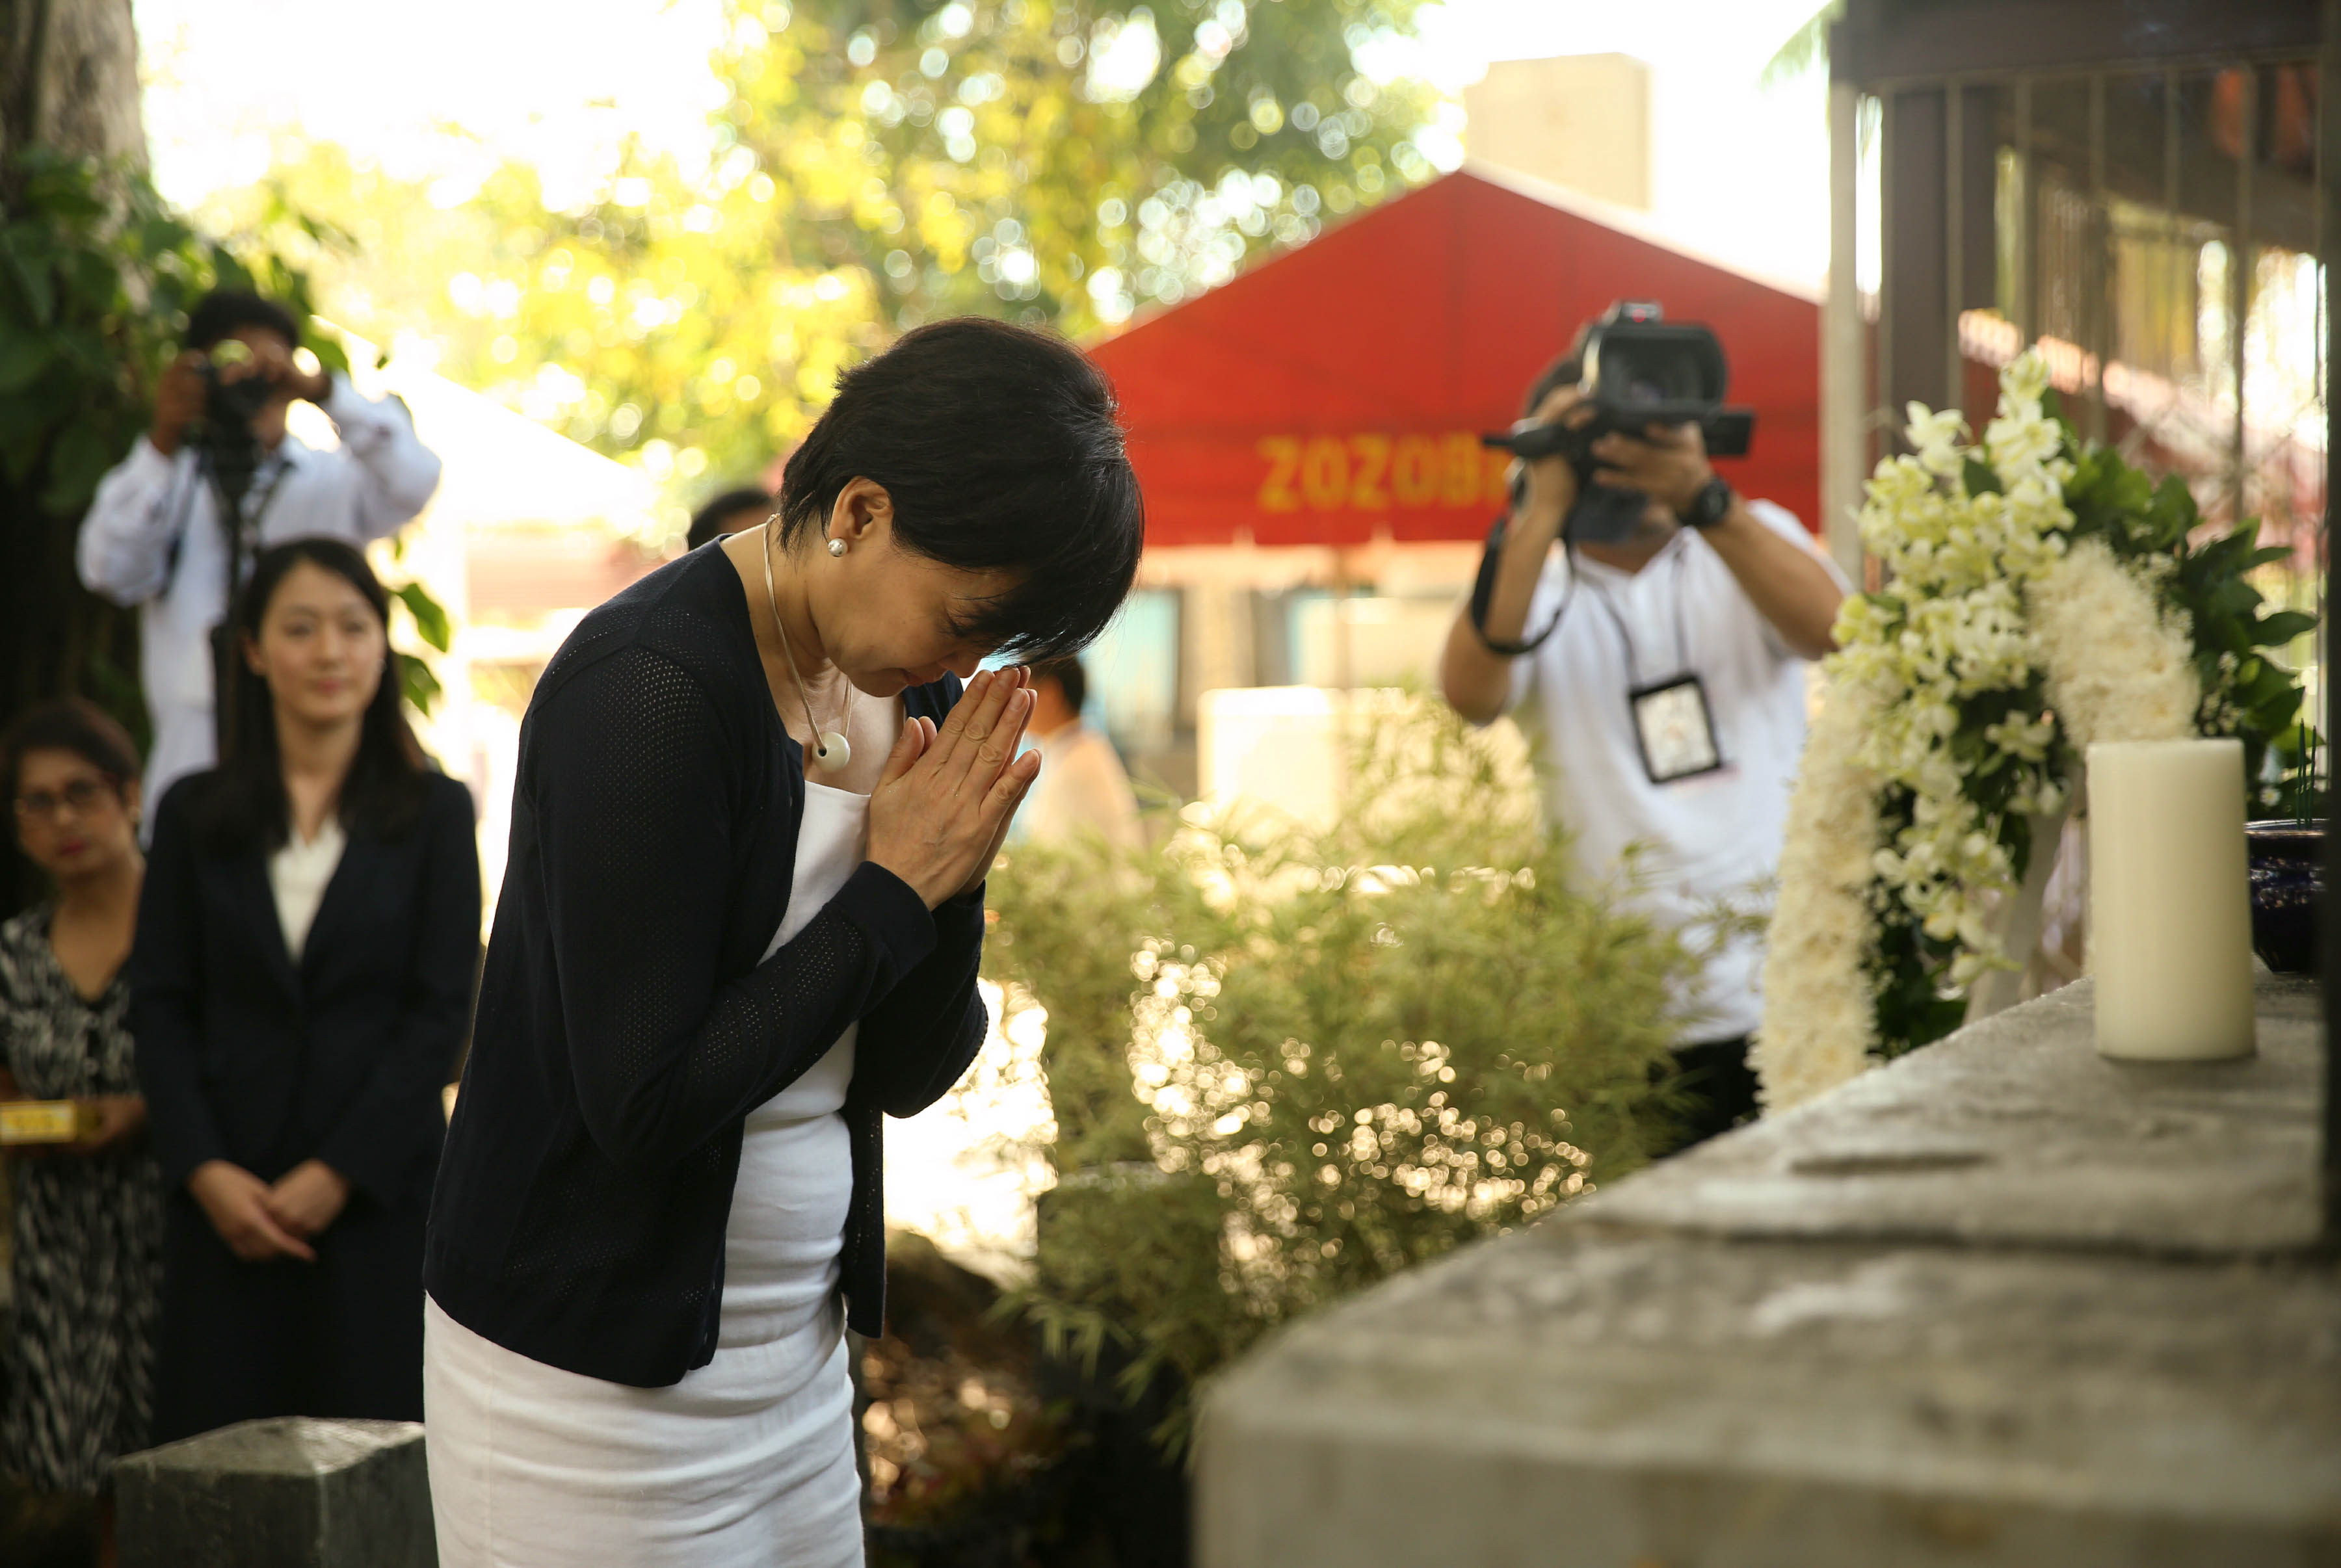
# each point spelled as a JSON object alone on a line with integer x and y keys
{"x": 290, "y": 1492}
{"x": 1568, "y": 1397}
{"x": 2015, "y": 1131}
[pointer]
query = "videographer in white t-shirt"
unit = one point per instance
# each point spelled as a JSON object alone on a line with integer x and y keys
{"x": 1662, "y": 678}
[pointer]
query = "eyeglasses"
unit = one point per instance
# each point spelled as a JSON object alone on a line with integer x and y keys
{"x": 82, "y": 796}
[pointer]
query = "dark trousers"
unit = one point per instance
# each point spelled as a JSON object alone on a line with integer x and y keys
{"x": 1716, "y": 1091}
{"x": 341, "y": 1336}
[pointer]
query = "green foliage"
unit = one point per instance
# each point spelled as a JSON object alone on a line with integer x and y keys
{"x": 2248, "y": 693}
{"x": 1287, "y": 1061}
{"x": 1806, "y": 49}
{"x": 878, "y": 163}
{"x": 96, "y": 276}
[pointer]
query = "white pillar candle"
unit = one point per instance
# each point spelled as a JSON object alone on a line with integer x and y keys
{"x": 2170, "y": 913}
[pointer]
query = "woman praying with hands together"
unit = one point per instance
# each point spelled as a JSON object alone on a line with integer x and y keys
{"x": 741, "y": 922}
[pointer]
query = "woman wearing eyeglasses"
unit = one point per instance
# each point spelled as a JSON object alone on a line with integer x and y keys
{"x": 302, "y": 980}
{"x": 88, "y": 1224}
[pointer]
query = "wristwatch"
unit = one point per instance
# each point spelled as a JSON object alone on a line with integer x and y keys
{"x": 1708, "y": 507}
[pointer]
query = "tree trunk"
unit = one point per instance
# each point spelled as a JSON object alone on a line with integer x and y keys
{"x": 69, "y": 78}
{"x": 69, "y": 84}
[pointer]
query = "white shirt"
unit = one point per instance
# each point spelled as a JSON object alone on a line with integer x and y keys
{"x": 1711, "y": 838}
{"x": 149, "y": 504}
{"x": 298, "y": 874}
{"x": 1083, "y": 786}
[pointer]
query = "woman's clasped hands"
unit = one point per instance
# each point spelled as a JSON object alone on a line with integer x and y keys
{"x": 260, "y": 1220}
{"x": 941, "y": 810}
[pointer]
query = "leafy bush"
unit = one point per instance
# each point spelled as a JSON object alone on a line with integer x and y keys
{"x": 1289, "y": 1060}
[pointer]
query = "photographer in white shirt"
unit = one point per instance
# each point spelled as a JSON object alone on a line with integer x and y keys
{"x": 154, "y": 536}
{"x": 1662, "y": 676}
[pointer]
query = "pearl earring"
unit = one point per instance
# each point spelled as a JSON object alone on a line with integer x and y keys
{"x": 837, "y": 547}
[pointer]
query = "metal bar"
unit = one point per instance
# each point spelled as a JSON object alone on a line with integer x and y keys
{"x": 2172, "y": 277}
{"x": 2240, "y": 273}
{"x": 2097, "y": 242}
{"x": 2328, "y": 189}
{"x": 2113, "y": 65}
{"x": 2026, "y": 306}
{"x": 1888, "y": 113}
{"x": 1845, "y": 394}
{"x": 1955, "y": 389}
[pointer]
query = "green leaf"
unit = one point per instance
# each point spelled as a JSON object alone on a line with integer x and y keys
{"x": 23, "y": 356}
{"x": 419, "y": 685}
{"x": 1981, "y": 480}
{"x": 430, "y": 617}
{"x": 79, "y": 461}
{"x": 2277, "y": 630}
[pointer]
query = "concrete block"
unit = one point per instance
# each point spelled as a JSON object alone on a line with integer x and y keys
{"x": 1567, "y": 1398}
{"x": 2001, "y": 1304}
{"x": 2015, "y": 1131}
{"x": 293, "y": 1491}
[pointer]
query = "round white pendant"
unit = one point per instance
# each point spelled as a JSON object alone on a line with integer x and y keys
{"x": 833, "y": 753}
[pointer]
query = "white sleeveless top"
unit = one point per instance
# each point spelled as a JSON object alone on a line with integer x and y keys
{"x": 748, "y": 1462}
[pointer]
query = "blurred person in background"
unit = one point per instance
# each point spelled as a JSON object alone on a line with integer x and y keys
{"x": 1662, "y": 677}
{"x": 1083, "y": 787}
{"x": 86, "y": 1257}
{"x": 300, "y": 991}
{"x": 154, "y": 536}
{"x": 727, "y": 514}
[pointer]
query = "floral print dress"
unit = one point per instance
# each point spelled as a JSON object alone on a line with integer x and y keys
{"x": 86, "y": 1260}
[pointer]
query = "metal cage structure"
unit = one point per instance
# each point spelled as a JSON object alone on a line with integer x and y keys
{"x": 2149, "y": 191}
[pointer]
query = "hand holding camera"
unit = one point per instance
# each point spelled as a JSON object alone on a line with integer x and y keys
{"x": 1653, "y": 394}
{"x": 1666, "y": 462}
{"x": 1549, "y": 484}
{"x": 228, "y": 388}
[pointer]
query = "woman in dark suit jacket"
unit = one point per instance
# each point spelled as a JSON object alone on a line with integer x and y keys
{"x": 741, "y": 922}
{"x": 307, "y": 943}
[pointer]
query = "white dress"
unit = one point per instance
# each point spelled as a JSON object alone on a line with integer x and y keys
{"x": 748, "y": 1460}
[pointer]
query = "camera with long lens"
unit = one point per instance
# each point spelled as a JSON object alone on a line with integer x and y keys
{"x": 1637, "y": 370}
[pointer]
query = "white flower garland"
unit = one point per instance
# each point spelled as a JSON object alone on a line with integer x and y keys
{"x": 1821, "y": 926}
{"x": 2118, "y": 666}
{"x": 1986, "y": 596}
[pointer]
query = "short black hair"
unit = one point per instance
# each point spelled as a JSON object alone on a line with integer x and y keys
{"x": 218, "y": 315}
{"x": 71, "y": 724}
{"x": 244, "y": 805}
{"x": 707, "y": 523}
{"x": 1001, "y": 449}
{"x": 1070, "y": 679}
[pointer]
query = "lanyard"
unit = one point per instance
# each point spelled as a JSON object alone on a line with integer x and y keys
{"x": 1626, "y": 638}
{"x": 239, "y": 524}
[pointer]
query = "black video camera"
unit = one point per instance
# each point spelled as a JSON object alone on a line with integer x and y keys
{"x": 230, "y": 447}
{"x": 232, "y": 404}
{"x": 1637, "y": 370}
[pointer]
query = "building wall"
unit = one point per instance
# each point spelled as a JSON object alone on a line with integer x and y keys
{"x": 1582, "y": 121}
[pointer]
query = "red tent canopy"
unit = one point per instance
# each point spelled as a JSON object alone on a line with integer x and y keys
{"x": 1337, "y": 391}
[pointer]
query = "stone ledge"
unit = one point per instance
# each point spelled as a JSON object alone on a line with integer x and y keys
{"x": 1566, "y": 1397}
{"x": 2016, "y": 1132}
{"x": 2001, "y": 1303}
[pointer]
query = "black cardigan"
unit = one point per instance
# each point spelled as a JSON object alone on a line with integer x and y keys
{"x": 626, "y": 1025}
{"x": 247, "y": 1057}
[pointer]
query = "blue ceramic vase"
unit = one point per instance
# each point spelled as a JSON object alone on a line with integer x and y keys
{"x": 2287, "y": 862}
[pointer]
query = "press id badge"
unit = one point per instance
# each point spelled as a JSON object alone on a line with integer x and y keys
{"x": 1675, "y": 729}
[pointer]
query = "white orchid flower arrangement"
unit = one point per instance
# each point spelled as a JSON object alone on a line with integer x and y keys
{"x": 2040, "y": 597}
